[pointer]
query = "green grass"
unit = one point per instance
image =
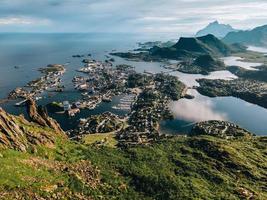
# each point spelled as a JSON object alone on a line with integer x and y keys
{"x": 202, "y": 167}
{"x": 108, "y": 139}
{"x": 17, "y": 171}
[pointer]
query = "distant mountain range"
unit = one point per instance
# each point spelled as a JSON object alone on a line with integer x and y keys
{"x": 256, "y": 36}
{"x": 216, "y": 29}
{"x": 198, "y": 54}
{"x": 194, "y": 47}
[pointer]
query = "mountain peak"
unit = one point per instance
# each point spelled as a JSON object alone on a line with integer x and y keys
{"x": 214, "y": 23}
{"x": 216, "y": 29}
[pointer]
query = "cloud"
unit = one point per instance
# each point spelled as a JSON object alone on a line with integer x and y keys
{"x": 196, "y": 110}
{"x": 22, "y": 21}
{"x": 172, "y": 16}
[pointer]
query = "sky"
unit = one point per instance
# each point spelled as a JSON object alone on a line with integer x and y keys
{"x": 129, "y": 16}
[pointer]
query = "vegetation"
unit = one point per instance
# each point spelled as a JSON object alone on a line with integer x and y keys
{"x": 194, "y": 47}
{"x": 138, "y": 80}
{"x": 189, "y": 49}
{"x": 231, "y": 165}
{"x": 258, "y": 75}
{"x": 202, "y": 167}
{"x": 203, "y": 64}
{"x": 52, "y": 68}
{"x": 103, "y": 139}
{"x": 55, "y": 107}
{"x": 169, "y": 86}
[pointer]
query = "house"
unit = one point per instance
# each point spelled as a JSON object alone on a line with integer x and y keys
{"x": 66, "y": 105}
{"x": 91, "y": 90}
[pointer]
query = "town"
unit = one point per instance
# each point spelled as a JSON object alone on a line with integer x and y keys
{"x": 50, "y": 80}
{"x": 101, "y": 82}
{"x": 147, "y": 98}
{"x": 252, "y": 91}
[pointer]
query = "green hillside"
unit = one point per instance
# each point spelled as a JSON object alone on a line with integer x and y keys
{"x": 203, "y": 166}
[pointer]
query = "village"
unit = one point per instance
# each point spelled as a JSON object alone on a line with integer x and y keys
{"x": 252, "y": 91}
{"x": 147, "y": 98}
{"x": 50, "y": 80}
{"x": 221, "y": 129}
{"x": 101, "y": 83}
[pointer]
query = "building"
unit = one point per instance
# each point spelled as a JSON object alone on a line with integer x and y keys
{"x": 66, "y": 106}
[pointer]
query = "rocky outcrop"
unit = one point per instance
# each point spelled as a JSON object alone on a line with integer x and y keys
{"x": 19, "y": 134}
{"x": 39, "y": 115}
{"x": 11, "y": 135}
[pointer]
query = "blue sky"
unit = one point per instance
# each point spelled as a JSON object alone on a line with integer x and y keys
{"x": 135, "y": 16}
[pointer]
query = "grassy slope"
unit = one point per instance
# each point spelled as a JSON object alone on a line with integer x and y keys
{"x": 203, "y": 167}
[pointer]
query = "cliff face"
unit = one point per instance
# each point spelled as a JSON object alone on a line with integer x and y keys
{"x": 19, "y": 134}
{"x": 39, "y": 115}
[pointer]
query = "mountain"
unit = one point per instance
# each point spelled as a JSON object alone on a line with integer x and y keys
{"x": 216, "y": 29}
{"x": 193, "y": 47}
{"x": 208, "y": 63}
{"x": 203, "y": 64}
{"x": 256, "y": 36}
{"x": 187, "y": 48}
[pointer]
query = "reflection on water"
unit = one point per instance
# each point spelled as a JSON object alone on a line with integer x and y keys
{"x": 197, "y": 109}
{"x": 190, "y": 79}
{"x": 258, "y": 49}
{"x": 187, "y": 112}
{"x": 237, "y": 61}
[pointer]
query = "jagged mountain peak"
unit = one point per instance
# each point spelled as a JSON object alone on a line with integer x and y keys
{"x": 217, "y": 29}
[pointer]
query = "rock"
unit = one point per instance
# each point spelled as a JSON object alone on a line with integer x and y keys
{"x": 19, "y": 134}
{"x": 39, "y": 115}
{"x": 188, "y": 96}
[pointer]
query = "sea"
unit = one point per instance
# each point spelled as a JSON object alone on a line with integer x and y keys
{"x": 30, "y": 51}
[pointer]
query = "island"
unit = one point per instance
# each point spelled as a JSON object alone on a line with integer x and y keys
{"x": 195, "y": 54}
{"x": 51, "y": 79}
{"x": 249, "y": 90}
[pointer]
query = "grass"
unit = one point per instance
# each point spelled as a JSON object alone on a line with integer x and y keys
{"x": 16, "y": 172}
{"x": 108, "y": 139}
{"x": 202, "y": 167}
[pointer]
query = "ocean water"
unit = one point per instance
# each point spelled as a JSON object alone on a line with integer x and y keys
{"x": 31, "y": 51}
{"x": 237, "y": 61}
